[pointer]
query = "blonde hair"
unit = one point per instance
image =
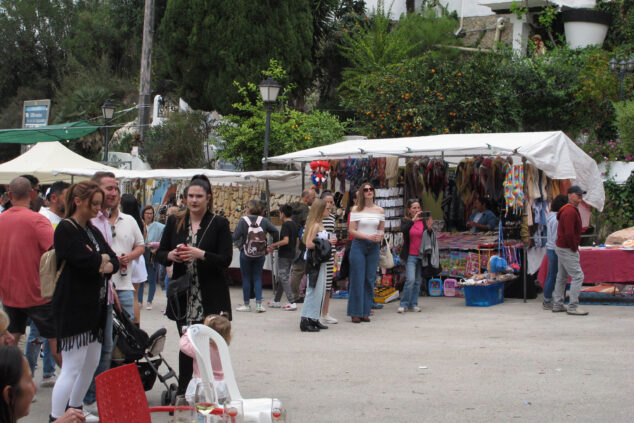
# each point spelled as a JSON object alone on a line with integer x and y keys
{"x": 220, "y": 324}
{"x": 315, "y": 216}
{"x": 4, "y": 321}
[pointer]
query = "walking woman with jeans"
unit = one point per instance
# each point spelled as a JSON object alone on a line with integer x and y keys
{"x": 367, "y": 222}
{"x": 80, "y": 297}
{"x": 251, "y": 264}
{"x": 412, "y": 228}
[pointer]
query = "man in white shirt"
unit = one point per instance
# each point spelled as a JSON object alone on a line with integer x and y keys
{"x": 55, "y": 197}
{"x": 128, "y": 243}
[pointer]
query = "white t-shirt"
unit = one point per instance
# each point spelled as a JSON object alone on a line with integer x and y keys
{"x": 52, "y": 217}
{"x": 126, "y": 235}
{"x": 368, "y": 222}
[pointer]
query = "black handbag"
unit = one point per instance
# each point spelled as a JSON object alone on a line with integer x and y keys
{"x": 177, "y": 297}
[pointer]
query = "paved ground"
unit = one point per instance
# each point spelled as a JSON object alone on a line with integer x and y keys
{"x": 450, "y": 363}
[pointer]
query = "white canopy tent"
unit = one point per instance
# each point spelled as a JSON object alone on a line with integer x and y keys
{"x": 213, "y": 175}
{"x": 42, "y": 159}
{"x": 552, "y": 152}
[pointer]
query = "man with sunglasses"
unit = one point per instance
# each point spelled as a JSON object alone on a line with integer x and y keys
{"x": 567, "y": 249}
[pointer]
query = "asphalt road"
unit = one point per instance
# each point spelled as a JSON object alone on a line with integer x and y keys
{"x": 449, "y": 363}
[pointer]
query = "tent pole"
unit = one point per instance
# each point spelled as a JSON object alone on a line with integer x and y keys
{"x": 303, "y": 165}
{"x": 525, "y": 239}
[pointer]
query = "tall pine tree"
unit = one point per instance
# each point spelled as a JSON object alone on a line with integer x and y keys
{"x": 203, "y": 46}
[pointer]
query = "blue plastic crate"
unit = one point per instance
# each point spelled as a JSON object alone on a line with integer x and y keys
{"x": 484, "y": 295}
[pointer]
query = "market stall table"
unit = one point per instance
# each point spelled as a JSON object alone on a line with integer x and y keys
{"x": 600, "y": 265}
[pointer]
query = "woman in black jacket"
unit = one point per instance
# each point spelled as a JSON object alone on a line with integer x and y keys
{"x": 199, "y": 243}
{"x": 79, "y": 301}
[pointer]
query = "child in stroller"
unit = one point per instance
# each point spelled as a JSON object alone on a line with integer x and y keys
{"x": 133, "y": 345}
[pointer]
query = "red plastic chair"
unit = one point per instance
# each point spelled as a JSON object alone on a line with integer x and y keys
{"x": 121, "y": 397}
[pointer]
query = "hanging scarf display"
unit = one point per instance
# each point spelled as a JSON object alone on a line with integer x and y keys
{"x": 513, "y": 189}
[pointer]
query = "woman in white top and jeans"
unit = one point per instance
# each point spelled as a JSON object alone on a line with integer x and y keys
{"x": 367, "y": 221}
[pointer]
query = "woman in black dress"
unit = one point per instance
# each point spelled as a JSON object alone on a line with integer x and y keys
{"x": 198, "y": 242}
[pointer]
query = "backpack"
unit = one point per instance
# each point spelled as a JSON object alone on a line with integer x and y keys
{"x": 49, "y": 273}
{"x": 255, "y": 245}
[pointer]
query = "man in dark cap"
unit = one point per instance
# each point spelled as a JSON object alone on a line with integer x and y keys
{"x": 567, "y": 249}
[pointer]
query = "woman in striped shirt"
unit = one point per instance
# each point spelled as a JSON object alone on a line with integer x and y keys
{"x": 329, "y": 225}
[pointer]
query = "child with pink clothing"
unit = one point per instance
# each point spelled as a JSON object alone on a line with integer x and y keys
{"x": 222, "y": 325}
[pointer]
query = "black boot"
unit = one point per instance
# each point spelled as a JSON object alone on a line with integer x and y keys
{"x": 318, "y": 324}
{"x": 305, "y": 325}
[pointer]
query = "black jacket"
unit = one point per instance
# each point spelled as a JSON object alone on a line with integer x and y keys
{"x": 406, "y": 225}
{"x": 315, "y": 257}
{"x": 211, "y": 271}
{"x": 79, "y": 301}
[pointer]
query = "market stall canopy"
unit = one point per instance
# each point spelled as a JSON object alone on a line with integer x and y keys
{"x": 214, "y": 175}
{"x": 60, "y": 132}
{"x": 552, "y": 152}
{"x": 42, "y": 159}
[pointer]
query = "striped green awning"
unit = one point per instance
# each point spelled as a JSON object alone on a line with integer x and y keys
{"x": 60, "y": 132}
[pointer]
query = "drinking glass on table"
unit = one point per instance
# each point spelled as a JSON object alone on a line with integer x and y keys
{"x": 183, "y": 410}
{"x": 205, "y": 400}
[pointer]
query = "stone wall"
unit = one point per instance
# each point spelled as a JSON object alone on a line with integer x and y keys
{"x": 487, "y": 41}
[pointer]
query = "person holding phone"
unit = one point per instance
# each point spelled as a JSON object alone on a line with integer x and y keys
{"x": 412, "y": 227}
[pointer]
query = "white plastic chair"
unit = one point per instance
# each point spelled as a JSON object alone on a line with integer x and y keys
{"x": 253, "y": 410}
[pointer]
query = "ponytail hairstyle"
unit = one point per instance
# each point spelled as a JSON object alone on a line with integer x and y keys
{"x": 197, "y": 181}
{"x": 11, "y": 369}
{"x": 130, "y": 205}
{"x": 83, "y": 190}
{"x": 315, "y": 216}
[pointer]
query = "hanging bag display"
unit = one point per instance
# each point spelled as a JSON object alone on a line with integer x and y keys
{"x": 386, "y": 260}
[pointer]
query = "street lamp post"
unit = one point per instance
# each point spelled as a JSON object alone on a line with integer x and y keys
{"x": 107, "y": 110}
{"x": 269, "y": 89}
{"x": 623, "y": 67}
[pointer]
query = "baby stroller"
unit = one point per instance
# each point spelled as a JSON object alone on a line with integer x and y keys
{"x": 133, "y": 345}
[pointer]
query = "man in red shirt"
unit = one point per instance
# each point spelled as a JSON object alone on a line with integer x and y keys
{"x": 567, "y": 249}
{"x": 26, "y": 236}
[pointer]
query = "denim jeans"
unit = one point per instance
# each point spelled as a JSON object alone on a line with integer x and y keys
{"x": 161, "y": 277}
{"x": 34, "y": 345}
{"x": 105, "y": 359}
{"x": 126, "y": 299}
{"x": 251, "y": 270}
{"x": 314, "y": 299}
{"x": 152, "y": 273}
{"x": 568, "y": 266}
{"x": 364, "y": 260}
{"x": 284, "y": 279}
{"x": 411, "y": 290}
{"x": 549, "y": 283}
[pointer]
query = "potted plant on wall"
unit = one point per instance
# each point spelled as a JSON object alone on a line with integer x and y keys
{"x": 585, "y": 26}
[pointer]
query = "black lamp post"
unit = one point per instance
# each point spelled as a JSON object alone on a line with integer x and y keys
{"x": 269, "y": 88}
{"x": 107, "y": 110}
{"x": 623, "y": 67}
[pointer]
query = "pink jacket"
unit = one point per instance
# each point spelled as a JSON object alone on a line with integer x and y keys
{"x": 188, "y": 349}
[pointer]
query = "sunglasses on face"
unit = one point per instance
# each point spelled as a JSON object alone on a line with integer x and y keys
{"x": 368, "y": 189}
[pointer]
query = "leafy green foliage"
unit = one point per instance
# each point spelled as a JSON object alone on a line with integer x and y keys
{"x": 379, "y": 44}
{"x": 625, "y": 124}
{"x": 242, "y": 134}
{"x": 620, "y": 37}
{"x": 205, "y": 46}
{"x": 618, "y": 211}
{"x": 178, "y": 143}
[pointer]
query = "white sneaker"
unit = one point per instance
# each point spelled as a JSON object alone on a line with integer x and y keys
{"x": 401, "y": 310}
{"x": 48, "y": 382}
{"x": 275, "y": 304}
{"x": 90, "y": 418}
{"x": 290, "y": 307}
{"x": 91, "y": 408}
{"x": 416, "y": 309}
{"x": 259, "y": 308}
{"x": 329, "y": 319}
{"x": 243, "y": 307}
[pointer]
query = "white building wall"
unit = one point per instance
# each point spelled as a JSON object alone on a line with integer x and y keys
{"x": 470, "y": 8}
